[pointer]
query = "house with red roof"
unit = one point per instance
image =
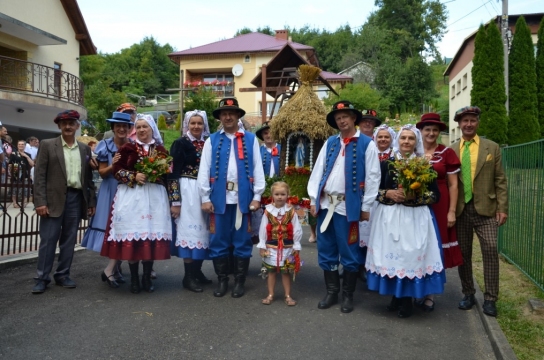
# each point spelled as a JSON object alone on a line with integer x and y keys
{"x": 40, "y": 46}
{"x": 233, "y": 67}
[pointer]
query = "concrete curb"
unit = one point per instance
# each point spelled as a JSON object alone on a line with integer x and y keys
{"x": 499, "y": 343}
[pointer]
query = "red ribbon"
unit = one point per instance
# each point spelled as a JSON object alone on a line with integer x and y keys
{"x": 239, "y": 137}
{"x": 275, "y": 151}
{"x": 346, "y": 142}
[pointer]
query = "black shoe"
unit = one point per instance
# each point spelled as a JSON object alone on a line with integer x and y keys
{"x": 427, "y": 308}
{"x": 66, "y": 282}
{"x": 406, "y": 307}
{"x": 467, "y": 303}
{"x": 332, "y": 282}
{"x": 39, "y": 288}
{"x": 490, "y": 308}
{"x": 112, "y": 283}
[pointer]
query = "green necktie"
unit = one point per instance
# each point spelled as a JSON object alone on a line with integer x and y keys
{"x": 466, "y": 172}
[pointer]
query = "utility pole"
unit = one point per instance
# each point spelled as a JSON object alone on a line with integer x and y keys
{"x": 506, "y": 44}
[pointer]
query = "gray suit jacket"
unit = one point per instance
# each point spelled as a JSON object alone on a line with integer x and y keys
{"x": 50, "y": 182}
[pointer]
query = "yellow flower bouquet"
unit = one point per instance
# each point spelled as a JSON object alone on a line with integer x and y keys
{"x": 413, "y": 175}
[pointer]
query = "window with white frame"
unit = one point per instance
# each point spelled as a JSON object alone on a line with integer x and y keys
{"x": 269, "y": 105}
{"x": 221, "y": 84}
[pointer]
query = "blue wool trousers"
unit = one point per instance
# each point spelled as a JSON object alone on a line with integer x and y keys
{"x": 333, "y": 247}
{"x": 226, "y": 235}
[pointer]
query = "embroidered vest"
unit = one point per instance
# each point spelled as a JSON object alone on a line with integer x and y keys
{"x": 280, "y": 234}
{"x": 221, "y": 147}
{"x": 354, "y": 172}
{"x": 269, "y": 160}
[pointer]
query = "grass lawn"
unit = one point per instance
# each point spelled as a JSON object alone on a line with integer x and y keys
{"x": 169, "y": 137}
{"x": 524, "y": 331}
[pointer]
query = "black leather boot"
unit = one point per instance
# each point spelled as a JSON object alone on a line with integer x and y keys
{"x": 242, "y": 265}
{"x": 332, "y": 282}
{"x": 189, "y": 280}
{"x": 406, "y": 307}
{"x": 134, "y": 277}
{"x": 221, "y": 267}
{"x": 147, "y": 285}
{"x": 394, "y": 305}
{"x": 348, "y": 288}
{"x": 199, "y": 275}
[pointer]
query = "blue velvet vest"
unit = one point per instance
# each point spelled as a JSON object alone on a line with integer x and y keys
{"x": 354, "y": 172}
{"x": 221, "y": 147}
{"x": 269, "y": 160}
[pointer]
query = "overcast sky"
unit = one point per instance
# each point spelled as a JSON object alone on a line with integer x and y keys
{"x": 117, "y": 24}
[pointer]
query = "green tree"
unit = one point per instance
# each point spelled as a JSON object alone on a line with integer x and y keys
{"x": 488, "y": 88}
{"x": 523, "y": 126}
{"x": 203, "y": 99}
{"x": 540, "y": 75}
{"x": 101, "y": 100}
{"x": 414, "y": 26}
{"x": 362, "y": 96}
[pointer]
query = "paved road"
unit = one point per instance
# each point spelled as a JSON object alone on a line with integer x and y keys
{"x": 96, "y": 322}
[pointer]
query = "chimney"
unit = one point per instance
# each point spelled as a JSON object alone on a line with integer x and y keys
{"x": 281, "y": 34}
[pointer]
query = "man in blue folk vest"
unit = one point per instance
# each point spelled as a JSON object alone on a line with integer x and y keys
{"x": 231, "y": 181}
{"x": 343, "y": 185}
{"x": 270, "y": 151}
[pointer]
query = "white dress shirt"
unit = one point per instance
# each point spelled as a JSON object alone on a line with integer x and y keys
{"x": 203, "y": 179}
{"x": 336, "y": 181}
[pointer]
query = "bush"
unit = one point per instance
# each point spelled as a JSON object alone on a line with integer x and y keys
{"x": 177, "y": 124}
{"x": 161, "y": 123}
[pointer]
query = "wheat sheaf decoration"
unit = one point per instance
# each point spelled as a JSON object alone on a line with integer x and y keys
{"x": 304, "y": 111}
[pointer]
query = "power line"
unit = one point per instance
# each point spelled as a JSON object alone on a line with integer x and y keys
{"x": 479, "y": 7}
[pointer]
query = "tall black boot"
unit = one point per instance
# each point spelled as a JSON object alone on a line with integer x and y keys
{"x": 348, "y": 288}
{"x": 199, "y": 275}
{"x": 134, "y": 277}
{"x": 232, "y": 262}
{"x": 147, "y": 285}
{"x": 332, "y": 282}
{"x": 221, "y": 267}
{"x": 406, "y": 307}
{"x": 189, "y": 280}
{"x": 242, "y": 265}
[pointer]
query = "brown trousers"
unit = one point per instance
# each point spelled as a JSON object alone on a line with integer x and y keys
{"x": 486, "y": 229}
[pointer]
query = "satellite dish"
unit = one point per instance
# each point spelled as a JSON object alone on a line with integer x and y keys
{"x": 237, "y": 70}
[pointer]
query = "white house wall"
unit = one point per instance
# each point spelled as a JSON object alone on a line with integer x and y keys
{"x": 459, "y": 93}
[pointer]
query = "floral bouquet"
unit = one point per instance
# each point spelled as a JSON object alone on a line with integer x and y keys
{"x": 154, "y": 165}
{"x": 293, "y": 264}
{"x": 413, "y": 175}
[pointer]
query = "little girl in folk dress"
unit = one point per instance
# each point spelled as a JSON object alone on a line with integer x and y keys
{"x": 279, "y": 241}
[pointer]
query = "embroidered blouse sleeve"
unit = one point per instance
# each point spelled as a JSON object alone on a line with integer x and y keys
{"x": 372, "y": 176}
{"x": 174, "y": 193}
{"x": 121, "y": 170}
{"x": 203, "y": 179}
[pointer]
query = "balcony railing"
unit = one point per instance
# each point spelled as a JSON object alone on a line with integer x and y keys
{"x": 40, "y": 80}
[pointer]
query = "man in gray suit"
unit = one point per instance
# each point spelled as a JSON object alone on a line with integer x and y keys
{"x": 64, "y": 193}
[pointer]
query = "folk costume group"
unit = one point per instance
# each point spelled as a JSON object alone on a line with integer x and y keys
{"x": 208, "y": 205}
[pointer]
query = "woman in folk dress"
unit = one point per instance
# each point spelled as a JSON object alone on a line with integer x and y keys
{"x": 140, "y": 227}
